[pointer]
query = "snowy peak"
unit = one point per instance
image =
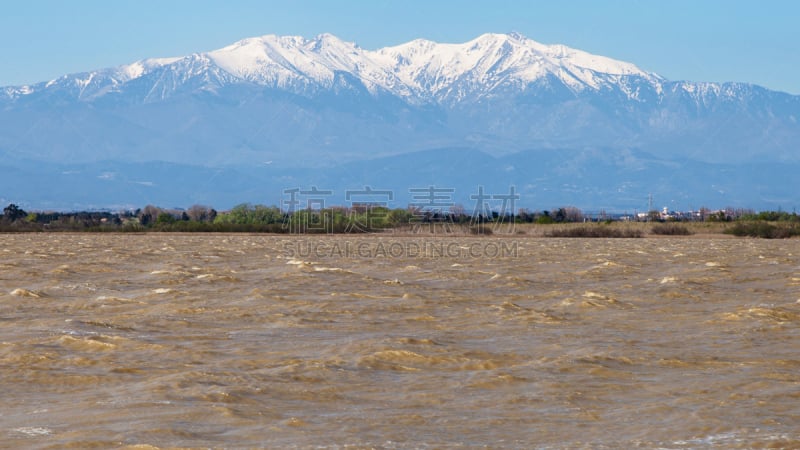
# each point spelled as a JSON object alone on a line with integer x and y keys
{"x": 139, "y": 68}
{"x": 491, "y": 60}
{"x": 420, "y": 71}
{"x": 286, "y": 61}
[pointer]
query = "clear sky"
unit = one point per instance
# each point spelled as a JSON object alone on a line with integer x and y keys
{"x": 699, "y": 40}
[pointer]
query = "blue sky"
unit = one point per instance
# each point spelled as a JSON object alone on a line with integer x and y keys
{"x": 701, "y": 40}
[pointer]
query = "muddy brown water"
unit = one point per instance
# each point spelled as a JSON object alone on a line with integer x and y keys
{"x": 253, "y": 341}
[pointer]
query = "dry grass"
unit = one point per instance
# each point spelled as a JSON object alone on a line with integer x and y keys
{"x": 695, "y": 229}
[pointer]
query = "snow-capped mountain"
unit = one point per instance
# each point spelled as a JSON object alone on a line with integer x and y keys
{"x": 322, "y": 102}
{"x": 418, "y": 71}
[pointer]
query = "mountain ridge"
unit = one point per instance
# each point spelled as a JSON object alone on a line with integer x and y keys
{"x": 416, "y": 68}
{"x": 320, "y": 103}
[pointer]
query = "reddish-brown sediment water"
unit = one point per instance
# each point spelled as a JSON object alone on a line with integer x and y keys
{"x": 251, "y": 341}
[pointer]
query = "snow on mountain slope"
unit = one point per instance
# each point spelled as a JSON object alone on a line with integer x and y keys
{"x": 276, "y": 60}
{"x": 137, "y": 69}
{"x": 419, "y": 71}
{"x": 494, "y": 59}
{"x": 283, "y": 61}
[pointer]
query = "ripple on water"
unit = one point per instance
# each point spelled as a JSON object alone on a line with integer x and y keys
{"x": 773, "y": 315}
{"x": 514, "y": 311}
{"x": 21, "y": 292}
{"x": 411, "y": 361}
{"x": 597, "y": 300}
{"x": 33, "y": 431}
{"x": 114, "y": 300}
{"x": 88, "y": 344}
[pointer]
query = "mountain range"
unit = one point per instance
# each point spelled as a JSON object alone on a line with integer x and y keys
{"x": 264, "y": 115}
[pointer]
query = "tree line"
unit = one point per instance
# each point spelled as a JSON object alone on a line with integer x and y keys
{"x": 357, "y": 218}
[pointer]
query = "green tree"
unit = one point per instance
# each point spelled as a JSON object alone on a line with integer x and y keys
{"x": 12, "y": 213}
{"x": 165, "y": 218}
{"x": 544, "y": 217}
{"x": 265, "y": 215}
{"x": 397, "y": 217}
{"x": 239, "y": 214}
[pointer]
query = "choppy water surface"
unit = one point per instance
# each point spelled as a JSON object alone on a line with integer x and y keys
{"x": 230, "y": 341}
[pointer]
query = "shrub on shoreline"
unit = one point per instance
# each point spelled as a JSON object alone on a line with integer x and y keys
{"x": 764, "y": 230}
{"x": 670, "y": 229}
{"x": 481, "y": 229}
{"x": 594, "y": 232}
